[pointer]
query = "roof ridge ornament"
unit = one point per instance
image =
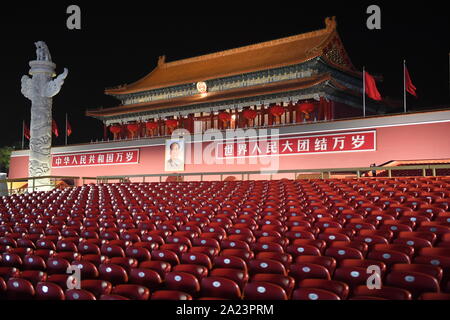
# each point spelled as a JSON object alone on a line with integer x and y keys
{"x": 161, "y": 60}
{"x": 331, "y": 23}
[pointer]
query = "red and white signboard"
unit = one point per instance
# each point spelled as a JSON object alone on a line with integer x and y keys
{"x": 325, "y": 143}
{"x": 100, "y": 158}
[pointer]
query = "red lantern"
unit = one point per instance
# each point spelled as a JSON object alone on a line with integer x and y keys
{"x": 277, "y": 111}
{"x": 306, "y": 108}
{"x": 133, "y": 127}
{"x": 224, "y": 116}
{"x": 171, "y": 123}
{"x": 249, "y": 114}
{"x": 151, "y": 125}
{"x": 115, "y": 129}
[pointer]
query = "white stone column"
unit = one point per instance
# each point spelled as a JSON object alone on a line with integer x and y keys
{"x": 40, "y": 89}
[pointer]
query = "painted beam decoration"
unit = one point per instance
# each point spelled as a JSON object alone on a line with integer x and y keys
{"x": 101, "y": 158}
{"x": 298, "y": 145}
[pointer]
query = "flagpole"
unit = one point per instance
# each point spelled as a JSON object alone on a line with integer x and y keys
{"x": 404, "y": 85}
{"x": 23, "y": 134}
{"x": 364, "y": 92}
{"x": 66, "y": 128}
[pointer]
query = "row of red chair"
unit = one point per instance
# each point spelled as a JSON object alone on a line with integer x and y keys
{"x": 285, "y": 233}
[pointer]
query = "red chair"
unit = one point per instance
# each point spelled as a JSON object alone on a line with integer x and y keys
{"x": 112, "y": 251}
{"x": 338, "y": 287}
{"x": 416, "y": 243}
{"x": 49, "y": 291}
{"x": 140, "y": 254}
{"x": 34, "y": 276}
{"x": 182, "y": 281}
{"x": 284, "y": 258}
{"x": 57, "y": 266}
{"x": 66, "y": 246}
{"x": 97, "y": 287}
{"x": 285, "y": 282}
{"x": 298, "y": 250}
{"x": 389, "y": 257}
{"x": 11, "y": 260}
{"x": 433, "y": 271}
{"x": 32, "y": 262}
{"x": 132, "y": 291}
{"x": 60, "y": 279}
{"x": 343, "y": 253}
{"x": 241, "y": 277}
{"x": 126, "y": 263}
{"x": 162, "y": 267}
{"x": 19, "y": 289}
{"x": 246, "y": 255}
{"x": 366, "y": 263}
{"x": 327, "y": 262}
{"x": 87, "y": 269}
{"x": 415, "y": 282}
{"x": 386, "y": 292}
{"x": 79, "y": 294}
{"x": 197, "y": 258}
{"x": 95, "y": 259}
{"x": 408, "y": 250}
{"x": 353, "y": 276}
{"x": 218, "y": 287}
{"x": 444, "y": 252}
{"x": 266, "y": 266}
{"x": 306, "y": 270}
{"x": 170, "y": 295}
{"x": 198, "y": 271}
{"x": 425, "y": 235}
{"x": 234, "y": 244}
{"x": 267, "y": 247}
{"x": 145, "y": 277}
{"x": 166, "y": 255}
{"x": 314, "y": 294}
{"x": 434, "y": 296}
{"x": 45, "y": 244}
{"x": 264, "y": 291}
{"x": 113, "y": 273}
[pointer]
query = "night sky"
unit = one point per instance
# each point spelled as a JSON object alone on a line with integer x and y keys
{"x": 120, "y": 43}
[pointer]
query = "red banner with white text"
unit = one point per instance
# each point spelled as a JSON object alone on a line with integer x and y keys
{"x": 100, "y": 158}
{"x": 280, "y": 146}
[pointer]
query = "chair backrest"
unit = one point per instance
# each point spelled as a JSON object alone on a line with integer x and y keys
{"x": 264, "y": 291}
{"x": 19, "y": 289}
{"x": 220, "y": 287}
{"x": 49, "y": 291}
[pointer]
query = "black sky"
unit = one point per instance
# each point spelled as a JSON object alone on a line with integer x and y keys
{"x": 120, "y": 43}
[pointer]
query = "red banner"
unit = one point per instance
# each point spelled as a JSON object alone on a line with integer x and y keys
{"x": 96, "y": 158}
{"x": 326, "y": 143}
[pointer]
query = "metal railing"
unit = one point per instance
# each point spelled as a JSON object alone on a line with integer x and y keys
{"x": 31, "y": 184}
{"x": 327, "y": 173}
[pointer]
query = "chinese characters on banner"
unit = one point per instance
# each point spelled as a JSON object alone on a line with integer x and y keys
{"x": 327, "y": 143}
{"x": 96, "y": 158}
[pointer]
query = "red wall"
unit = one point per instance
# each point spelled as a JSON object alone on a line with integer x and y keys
{"x": 411, "y": 142}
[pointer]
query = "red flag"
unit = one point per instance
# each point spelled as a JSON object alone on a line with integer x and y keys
{"x": 69, "y": 128}
{"x": 371, "y": 87}
{"x": 54, "y": 128}
{"x": 26, "y": 131}
{"x": 408, "y": 84}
